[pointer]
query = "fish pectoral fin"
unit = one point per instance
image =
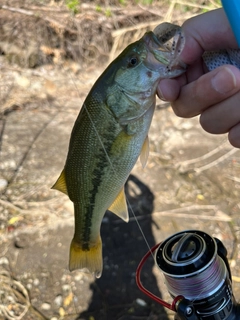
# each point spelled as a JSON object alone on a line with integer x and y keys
{"x": 144, "y": 152}
{"x": 60, "y": 184}
{"x": 119, "y": 206}
{"x": 90, "y": 259}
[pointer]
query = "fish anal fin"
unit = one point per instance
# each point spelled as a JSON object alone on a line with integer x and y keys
{"x": 60, "y": 184}
{"x": 144, "y": 152}
{"x": 90, "y": 259}
{"x": 119, "y": 206}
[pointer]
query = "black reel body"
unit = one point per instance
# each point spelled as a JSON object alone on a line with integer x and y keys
{"x": 197, "y": 276}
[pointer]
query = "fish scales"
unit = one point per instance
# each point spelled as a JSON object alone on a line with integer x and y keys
{"x": 104, "y": 181}
{"x": 108, "y": 136}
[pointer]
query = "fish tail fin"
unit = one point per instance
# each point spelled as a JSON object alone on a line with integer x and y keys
{"x": 90, "y": 259}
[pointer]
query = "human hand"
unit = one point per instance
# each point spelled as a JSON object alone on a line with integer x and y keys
{"x": 215, "y": 95}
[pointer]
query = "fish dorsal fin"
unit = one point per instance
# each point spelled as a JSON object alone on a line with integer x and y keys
{"x": 60, "y": 184}
{"x": 144, "y": 152}
{"x": 119, "y": 206}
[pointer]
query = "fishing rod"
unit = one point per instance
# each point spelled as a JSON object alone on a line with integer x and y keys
{"x": 232, "y": 10}
{"x": 197, "y": 276}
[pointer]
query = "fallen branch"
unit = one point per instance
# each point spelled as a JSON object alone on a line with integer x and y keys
{"x": 215, "y": 162}
{"x": 181, "y": 213}
{"x": 37, "y": 15}
{"x": 182, "y": 165}
{"x": 219, "y": 216}
{"x": 23, "y": 11}
{"x": 201, "y": 158}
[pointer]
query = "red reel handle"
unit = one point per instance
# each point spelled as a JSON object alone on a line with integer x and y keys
{"x": 148, "y": 293}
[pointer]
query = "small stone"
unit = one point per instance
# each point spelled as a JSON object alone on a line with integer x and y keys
{"x": 3, "y": 184}
{"x": 46, "y": 306}
{"x": 233, "y": 263}
{"x": 64, "y": 277}
{"x": 29, "y": 286}
{"x": 61, "y": 312}
{"x": 78, "y": 277}
{"x": 58, "y": 300}
{"x": 66, "y": 287}
{"x": 23, "y": 81}
{"x": 141, "y": 302}
{"x": 21, "y": 242}
{"x": 10, "y": 299}
{"x": 36, "y": 282}
{"x": 4, "y": 260}
{"x": 187, "y": 125}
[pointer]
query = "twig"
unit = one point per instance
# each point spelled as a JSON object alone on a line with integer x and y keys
{"x": 168, "y": 15}
{"x": 50, "y": 9}
{"x": 190, "y": 4}
{"x": 143, "y": 25}
{"x": 194, "y": 207}
{"x": 8, "y": 204}
{"x": 23, "y": 11}
{"x": 181, "y": 213}
{"x": 120, "y": 34}
{"x": 233, "y": 178}
{"x": 204, "y": 157}
{"x": 219, "y": 216}
{"x": 183, "y": 164}
{"x": 214, "y": 3}
{"x": 215, "y": 162}
{"x": 154, "y": 12}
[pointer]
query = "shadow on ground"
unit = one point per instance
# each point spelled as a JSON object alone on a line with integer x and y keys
{"x": 115, "y": 294}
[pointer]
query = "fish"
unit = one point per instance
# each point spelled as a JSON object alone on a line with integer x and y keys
{"x": 109, "y": 135}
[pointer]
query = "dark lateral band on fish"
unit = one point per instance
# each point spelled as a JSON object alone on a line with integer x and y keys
{"x": 96, "y": 182}
{"x": 110, "y": 133}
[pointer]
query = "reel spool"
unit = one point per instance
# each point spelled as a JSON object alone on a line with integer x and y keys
{"x": 197, "y": 276}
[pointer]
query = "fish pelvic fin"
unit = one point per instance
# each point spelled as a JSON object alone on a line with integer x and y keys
{"x": 90, "y": 259}
{"x": 119, "y": 206}
{"x": 60, "y": 184}
{"x": 144, "y": 152}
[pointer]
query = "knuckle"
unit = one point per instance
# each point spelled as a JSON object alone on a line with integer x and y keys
{"x": 182, "y": 110}
{"x": 178, "y": 109}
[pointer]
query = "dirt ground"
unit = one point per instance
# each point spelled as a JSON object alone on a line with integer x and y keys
{"x": 191, "y": 181}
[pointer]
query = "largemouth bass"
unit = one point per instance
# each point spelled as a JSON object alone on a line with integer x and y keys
{"x": 109, "y": 134}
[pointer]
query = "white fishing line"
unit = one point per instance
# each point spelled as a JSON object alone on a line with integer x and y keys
{"x": 140, "y": 228}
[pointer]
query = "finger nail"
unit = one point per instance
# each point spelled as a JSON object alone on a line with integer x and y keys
{"x": 224, "y": 81}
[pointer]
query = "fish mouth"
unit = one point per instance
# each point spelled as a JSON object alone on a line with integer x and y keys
{"x": 165, "y": 45}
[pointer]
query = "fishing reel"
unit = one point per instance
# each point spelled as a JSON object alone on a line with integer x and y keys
{"x": 197, "y": 276}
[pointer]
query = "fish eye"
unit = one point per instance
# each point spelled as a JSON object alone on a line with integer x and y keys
{"x": 133, "y": 61}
